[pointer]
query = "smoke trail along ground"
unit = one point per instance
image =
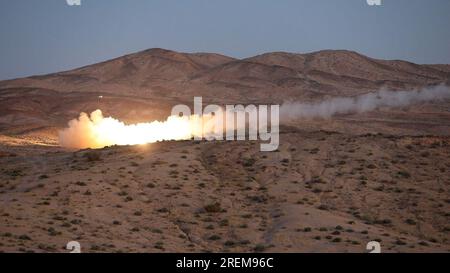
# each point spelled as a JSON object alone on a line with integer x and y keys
{"x": 362, "y": 103}
{"x": 96, "y": 131}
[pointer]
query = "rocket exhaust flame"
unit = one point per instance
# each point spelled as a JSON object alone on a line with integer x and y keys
{"x": 95, "y": 131}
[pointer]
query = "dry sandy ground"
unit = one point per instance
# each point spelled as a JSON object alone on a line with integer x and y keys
{"x": 334, "y": 185}
{"x": 322, "y": 191}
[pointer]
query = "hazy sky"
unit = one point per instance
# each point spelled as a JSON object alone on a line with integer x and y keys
{"x": 43, "y": 36}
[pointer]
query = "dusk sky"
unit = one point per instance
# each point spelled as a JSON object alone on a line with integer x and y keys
{"x": 39, "y": 37}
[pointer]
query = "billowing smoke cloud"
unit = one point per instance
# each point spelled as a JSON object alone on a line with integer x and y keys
{"x": 97, "y": 131}
{"x": 362, "y": 103}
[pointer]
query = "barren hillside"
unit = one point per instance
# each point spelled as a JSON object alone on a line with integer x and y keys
{"x": 333, "y": 185}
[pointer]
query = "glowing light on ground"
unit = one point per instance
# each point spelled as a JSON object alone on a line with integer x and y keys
{"x": 95, "y": 131}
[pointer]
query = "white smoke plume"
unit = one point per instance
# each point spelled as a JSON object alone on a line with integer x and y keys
{"x": 362, "y": 103}
{"x": 97, "y": 131}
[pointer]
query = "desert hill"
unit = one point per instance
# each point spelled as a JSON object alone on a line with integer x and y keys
{"x": 151, "y": 71}
{"x": 145, "y": 85}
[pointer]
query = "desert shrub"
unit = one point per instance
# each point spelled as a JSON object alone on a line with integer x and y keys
{"x": 229, "y": 243}
{"x": 337, "y": 240}
{"x": 92, "y": 156}
{"x": 244, "y": 242}
{"x": 24, "y": 237}
{"x": 13, "y": 173}
{"x": 404, "y": 174}
{"x": 75, "y": 222}
{"x": 122, "y": 193}
{"x": 159, "y": 245}
{"x": 223, "y": 223}
{"x": 259, "y": 248}
{"x": 213, "y": 208}
{"x": 383, "y": 221}
{"x": 400, "y": 242}
{"x": 247, "y": 216}
{"x": 156, "y": 230}
{"x": 248, "y": 162}
{"x": 214, "y": 237}
{"x": 53, "y": 232}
